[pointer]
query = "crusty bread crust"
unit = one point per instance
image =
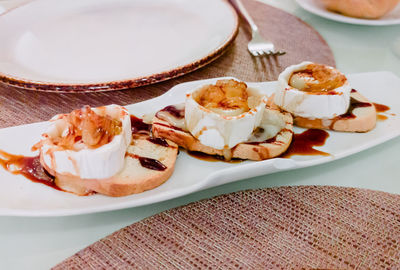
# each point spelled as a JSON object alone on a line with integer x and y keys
{"x": 369, "y": 9}
{"x": 253, "y": 151}
{"x": 357, "y": 119}
{"x": 133, "y": 178}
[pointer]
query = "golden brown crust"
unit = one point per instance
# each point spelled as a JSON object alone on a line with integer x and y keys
{"x": 368, "y": 9}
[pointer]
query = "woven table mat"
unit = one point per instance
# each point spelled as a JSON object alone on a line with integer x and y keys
{"x": 275, "y": 228}
{"x": 19, "y": 106}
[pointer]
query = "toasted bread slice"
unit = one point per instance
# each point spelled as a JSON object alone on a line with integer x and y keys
{"x": 254, "y": 151}
{"x": 148, "y": 164}
{"x": 360, "y": 117}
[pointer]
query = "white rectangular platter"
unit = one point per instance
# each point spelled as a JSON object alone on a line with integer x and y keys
{"x": 21, "y": 197}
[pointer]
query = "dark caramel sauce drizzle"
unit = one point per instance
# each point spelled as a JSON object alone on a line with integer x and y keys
{"x": 159, "y": 141}
{"x": 271, "y": 140}
{"x": 212, "y": 158}
{"x": 149, "y": 163}
{"x": 380, "y": 108}
{"x": 354, "y": 103}
{"x": 303, "y": 143}
{"x": 29, "y": 167}
{"x": 170, "y": 126}
{"x": 174, "y": 111}
{"x": 138, "y": 126}
{"x": 152, "y": 164}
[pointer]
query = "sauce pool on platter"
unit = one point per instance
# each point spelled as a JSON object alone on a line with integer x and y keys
{"x": 381, "y": 109}
{"x": 303, "y": 143}
{"x": 29, "y": 167}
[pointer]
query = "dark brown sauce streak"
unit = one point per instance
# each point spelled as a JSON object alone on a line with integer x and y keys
{"x": 212, "y": 158}
{"x": 169, "y": 126}
{"x": 174, "y": 111}
{"x": 29, "y": 167}
{"x": 149, "y": 163}
{"x": 159, "y": 141}
{"x": 138, "y": 126}
{"x": 273, "y": 139}
{"x": 354, "y": 103}
{"x": 303, "y": 143}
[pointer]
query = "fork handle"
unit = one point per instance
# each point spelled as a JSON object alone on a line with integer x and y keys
{"x": 245, "y": 14}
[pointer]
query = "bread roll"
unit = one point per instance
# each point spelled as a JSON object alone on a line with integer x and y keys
{"x": 366, "y": 9}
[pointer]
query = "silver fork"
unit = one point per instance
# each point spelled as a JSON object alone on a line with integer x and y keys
{"x": 258, "y": 46}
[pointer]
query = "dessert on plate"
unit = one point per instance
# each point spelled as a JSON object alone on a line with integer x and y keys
{"x": 226, "y": 119}
{"x": 319, "y": 96}
{"x": 105, "y": 150}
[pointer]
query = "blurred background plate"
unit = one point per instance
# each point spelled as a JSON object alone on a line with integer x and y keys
{"x": 99, "y": 45}
{"x": 317, "y": 8}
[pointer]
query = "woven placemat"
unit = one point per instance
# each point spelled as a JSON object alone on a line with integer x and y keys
{"x": 305, "y": 227}
{"x": 19, "y": 106}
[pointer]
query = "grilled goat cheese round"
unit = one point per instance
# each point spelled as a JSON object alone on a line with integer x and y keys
{"x": 313, "y": 91}
{"x": 225, "y": 114}
{"x": 89, "y": 143}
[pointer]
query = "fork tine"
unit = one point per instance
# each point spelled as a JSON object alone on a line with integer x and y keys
{"x": 269, "y": 52}
{"x": 258, "y": 46}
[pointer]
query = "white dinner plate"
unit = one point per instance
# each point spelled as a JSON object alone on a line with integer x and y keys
{"x": 98, "y": 45}
{"x": 317, "y": 8}
{"x": 21, "y": 197}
